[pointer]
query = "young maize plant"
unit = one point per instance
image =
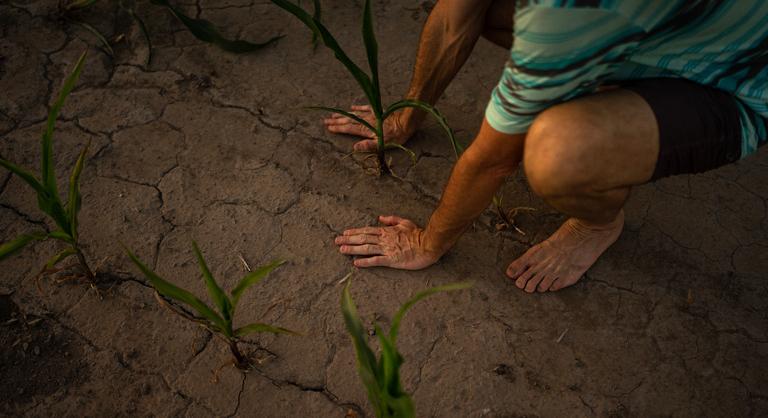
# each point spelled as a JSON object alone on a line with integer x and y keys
{"x": 65, "y": 216}
{"x": 382, "y": 377}
{"x": 368, "y": 83}
{"x": 201, "y": 29}
{"x": 220, "y": 323}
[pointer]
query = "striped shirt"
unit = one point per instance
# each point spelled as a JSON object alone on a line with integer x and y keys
{"x": 563, "y": 49}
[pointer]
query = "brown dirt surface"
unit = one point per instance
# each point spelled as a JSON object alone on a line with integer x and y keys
{"x": 206, "y": 145}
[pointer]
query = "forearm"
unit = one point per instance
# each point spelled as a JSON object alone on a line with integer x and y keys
{"x": 448, "y": 37}
{"x": 475, "y": 179}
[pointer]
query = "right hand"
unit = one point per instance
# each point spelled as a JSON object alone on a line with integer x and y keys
{"x": 395, "y": 128}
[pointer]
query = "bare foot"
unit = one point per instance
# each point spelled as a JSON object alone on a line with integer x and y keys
{"x": 563, "y": 258}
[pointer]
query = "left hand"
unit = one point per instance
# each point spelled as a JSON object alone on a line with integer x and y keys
{"x": 400, "y": 244}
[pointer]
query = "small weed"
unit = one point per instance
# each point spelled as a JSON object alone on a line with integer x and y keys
{"x": 368, "y": 83}
{"x": 65, "y": 216}
{"x": 382, "y": 377}
{"x": 220, "y": 323}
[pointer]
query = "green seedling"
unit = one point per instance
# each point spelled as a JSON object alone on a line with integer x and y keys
{"x": 220, "y": 321}
{"x": 201, "y": 29}
{"x": 64, "y": 216}
{"x": 368, "y": 83}
{"x": 381, "y": 376}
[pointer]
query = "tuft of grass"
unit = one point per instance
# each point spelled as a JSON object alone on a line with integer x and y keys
{"x": 220, "y": 321}
{"x": 381, "y": 377}
{"x": 368, "y": 83}
{"x": 64, "y": 215}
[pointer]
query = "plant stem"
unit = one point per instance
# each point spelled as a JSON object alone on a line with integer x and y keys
{"x": 84, "y": 264}
{"x": 383, "y": 166}
{"x": 242, "y": 362}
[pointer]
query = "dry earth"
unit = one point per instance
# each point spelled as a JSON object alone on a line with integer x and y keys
{"x": 203, "y": 144}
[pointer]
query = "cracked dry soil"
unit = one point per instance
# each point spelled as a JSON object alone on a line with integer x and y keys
{"x": 202, "y": 144}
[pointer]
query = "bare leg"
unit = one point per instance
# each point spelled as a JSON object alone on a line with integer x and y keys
{"x": 583, "y": 157}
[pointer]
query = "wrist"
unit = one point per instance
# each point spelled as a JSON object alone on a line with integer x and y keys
{"x": 432, "y": 245}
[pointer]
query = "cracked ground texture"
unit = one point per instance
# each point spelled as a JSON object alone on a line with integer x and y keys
{"x": 671, "y": 321}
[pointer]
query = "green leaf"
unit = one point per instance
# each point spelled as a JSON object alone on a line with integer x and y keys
{"x": 372, "y": 51}
{"x": 316, "y": 16}
{"x": 207, "y": 32}
{"x": 102, "y": 39}
{"x": 24, "y": 175}
{"x": 60, "y": 256}
{"x": 252, "y": 278}
{"x": 17, "y": 244}
{"x": 172, "y": 291}
{"x": 419, "y": 296}
{"x": 398, "y": 403}
{"x": 61, "y": 235}
{"x": 74, "y": 198}
{"x": 457, "y": 147}
{"x": 345, "y": 113}
{"x": 51, "y": 204}
{"x": 329, "y": 41}
{"x": 219, "y": 297}
{"x": 79, "y": 4}
{"x": 366, "y": 360}
{"x": 259, "y": 327}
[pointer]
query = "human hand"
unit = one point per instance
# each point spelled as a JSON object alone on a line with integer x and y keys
{"x": 400, "y": 244}
{"x": 396, "y": 128}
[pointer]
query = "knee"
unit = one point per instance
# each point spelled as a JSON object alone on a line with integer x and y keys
{"x": 562, "y": 151}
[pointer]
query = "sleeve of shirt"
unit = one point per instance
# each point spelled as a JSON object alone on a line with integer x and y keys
{"x": 557, "y": 54}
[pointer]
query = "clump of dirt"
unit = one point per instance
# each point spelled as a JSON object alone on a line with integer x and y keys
{"x": 37, "y": 357}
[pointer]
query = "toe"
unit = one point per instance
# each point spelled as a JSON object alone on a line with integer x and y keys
{"x": 533, "y": 282}
{"x": 546, "y": 283}
{"x": 522, "y": 280}
{"x": 517, "y": 267}
{"x": 564, "y": 282}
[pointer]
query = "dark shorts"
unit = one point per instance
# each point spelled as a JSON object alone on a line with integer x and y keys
{"x": 699, "y": 126}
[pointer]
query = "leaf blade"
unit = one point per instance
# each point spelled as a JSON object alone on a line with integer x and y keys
{"x": 372, "y": 52}
{"x": 172, "y": 291}
{"x": 417, "y": 297}
{"x": 56, "y": 259}
{"x": 441, "y": 120}
{"x": 207, "y": 32}
{"x": 252, "y": 278}
{"x": 10, "y": 247}
{"x": 330, "y": 42}
{"x": 260, "y": 327}
{"x": 218, "y": 296}
{"x": 74, "y": 198}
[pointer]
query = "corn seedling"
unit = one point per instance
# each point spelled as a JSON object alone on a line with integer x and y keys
{"x": 381, "y": 377}
{"x": 201, "y": 29}
{"x": 220, "y": 321}
{"x": 368, "y": 83}
{"x": 65, "y": 216}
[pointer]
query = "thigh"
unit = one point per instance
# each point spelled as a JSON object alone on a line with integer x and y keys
{"x": 699, "y": 127}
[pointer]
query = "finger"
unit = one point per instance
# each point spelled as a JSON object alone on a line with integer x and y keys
{"x": 349, "y": 129}
{"x": 392, "y": 220}
{"x": 356, "y": 239}
{"x": 365, "y": 249}
{"x": 368, "y": 230}
{"x": 337, "y": 119}
{"x": 546, "y": 283}
{"x": 366, "y": 145}
{"x": 378, "y": 260}
{"x": 361, "y": 108}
